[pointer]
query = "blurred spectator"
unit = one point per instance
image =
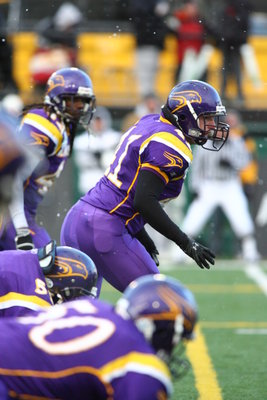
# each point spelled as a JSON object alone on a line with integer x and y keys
{"x": 150, "y": 104}
{"x": 192, "y": 53}
{"x": 231, "y": 32}
{"x": 92, "y": 154}
{"x": 150, "y": 30}
{"x": 57, "y": 43}
{"x": 215, "y": 182}
{"x": 7, "y": 81}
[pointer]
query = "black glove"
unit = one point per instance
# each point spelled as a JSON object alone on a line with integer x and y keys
{"x": 154, "y": 253}
{"x": 23, "y": 240}
{"x": 149, "y": 245}
{"x": 201, "y": 254}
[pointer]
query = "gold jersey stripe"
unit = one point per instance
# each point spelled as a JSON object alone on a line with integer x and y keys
{"x": 45, "y": 126}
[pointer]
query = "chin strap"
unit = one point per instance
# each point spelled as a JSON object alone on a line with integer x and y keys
{"x": 172, "y": 118}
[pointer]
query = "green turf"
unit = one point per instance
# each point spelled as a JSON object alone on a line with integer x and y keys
{"x": 227, "y": 300}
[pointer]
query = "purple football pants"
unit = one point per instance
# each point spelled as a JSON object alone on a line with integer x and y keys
{"x": 119, "y": 257}
{"x": 40, "y": 236}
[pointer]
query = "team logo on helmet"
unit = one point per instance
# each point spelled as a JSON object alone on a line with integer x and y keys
{"x": 182, "y": 98}
{"x": 69, "y": 267}
{"x": 55, "y": 81}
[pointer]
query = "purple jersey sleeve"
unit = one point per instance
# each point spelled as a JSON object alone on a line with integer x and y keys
{"x": 23, "y": 286}
{"x": 82, "y": 350}
{"x": 154, "y": 144}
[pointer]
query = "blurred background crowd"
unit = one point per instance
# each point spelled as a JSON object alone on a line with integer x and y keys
{"x": 135, "y": 51}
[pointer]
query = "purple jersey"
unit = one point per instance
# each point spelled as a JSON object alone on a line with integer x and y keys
{"x": 49, "y": 135}
{"x": 79, "y": 350}
{"x": 23, "y": 286}
{"x": 153, "y": 144}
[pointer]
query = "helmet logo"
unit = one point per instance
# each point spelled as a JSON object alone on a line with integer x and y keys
{"x": 69, "y": 267}
{"x": 55, "y": 81}
{"x": 182, "y": 98}
{"x": 174, "y": 302}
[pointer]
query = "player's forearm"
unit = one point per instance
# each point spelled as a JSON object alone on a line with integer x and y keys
{"x": 148, "y": 190}
{"x": 16, "y": 207}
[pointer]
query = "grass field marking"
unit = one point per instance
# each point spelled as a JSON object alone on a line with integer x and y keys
{"x": 220, "y": 265}
{"x": 205, "y": 376}
{"x": 220, "y": 288}
{"x": 251, "y": 331}
{"x": 232, "y": 325}
{"x": 257, "y": 275}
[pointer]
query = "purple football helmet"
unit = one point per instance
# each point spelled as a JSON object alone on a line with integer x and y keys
{"x": 162, "y": 308}
{"x": 69, "y": 272}
{"x": 191, "y": 102}
{"x": 66, "y": 86}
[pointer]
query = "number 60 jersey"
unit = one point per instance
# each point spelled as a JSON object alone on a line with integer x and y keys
{"x": 79, "y": 350}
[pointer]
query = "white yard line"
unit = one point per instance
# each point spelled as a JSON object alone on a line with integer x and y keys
{"x": 258, "y": 276}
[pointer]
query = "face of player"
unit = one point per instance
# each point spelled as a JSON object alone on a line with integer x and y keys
{"x": 75, "y": 104}
{"x": 211, "y": 127}
{"x": 206, "y": 123}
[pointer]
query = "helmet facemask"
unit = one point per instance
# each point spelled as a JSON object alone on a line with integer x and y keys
{"x": 165, "y": 336}
{"x": 214, "y": 133}
{"x": 68, "y": 293}
{"x": 72, "y": 112}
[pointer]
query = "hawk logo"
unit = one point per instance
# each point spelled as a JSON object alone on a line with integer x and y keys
{"x": 174, "y": 161}
{"x": 53, "y": 82}
{"x": 69, "y": 267}
{"x": 181, "y": 98}
{"x": 39, "y": 139}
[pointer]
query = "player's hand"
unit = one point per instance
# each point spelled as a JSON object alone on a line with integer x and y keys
{"x": 23, "y": 240}
{"x": 201, "y": 254}
{"x": 154, "y": 254}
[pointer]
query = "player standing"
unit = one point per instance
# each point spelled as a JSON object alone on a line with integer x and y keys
{"x": 49, "y": 130}
{"x": 148, "y": 169}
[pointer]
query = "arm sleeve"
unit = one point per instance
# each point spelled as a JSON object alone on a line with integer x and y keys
{"x": 16, "y": 207}
{"x": 146, "y": 201}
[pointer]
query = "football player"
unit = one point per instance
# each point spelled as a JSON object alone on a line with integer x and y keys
{"x": 34, "y": 279}
{"x": 148, "y": 169}
{"x": 49, "y": 130}
{"x": 88, "y": 349}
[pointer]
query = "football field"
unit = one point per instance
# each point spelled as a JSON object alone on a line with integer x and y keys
{"x": 228, "y": 358}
